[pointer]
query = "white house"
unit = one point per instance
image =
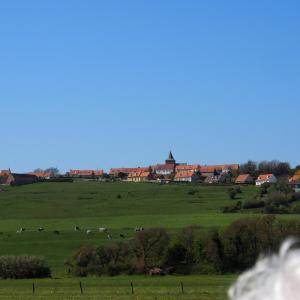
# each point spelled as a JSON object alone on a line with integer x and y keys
{"x": 265, "y": 178}
{"x": 165, "y": 169}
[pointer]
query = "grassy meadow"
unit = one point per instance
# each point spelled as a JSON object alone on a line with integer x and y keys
{"x": 119, "y": 288}
{"x": 120, "y": 207}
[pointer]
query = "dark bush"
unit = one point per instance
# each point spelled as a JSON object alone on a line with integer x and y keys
{"x": 149, "y": 248}
{"x": 192, "y": 192}
{"x": 232, "y": 193}
{"x": 232, "y": 208}
{"x": 238, "y": 189}
{"x": 176, "y": 257}
{"x": 296, "y": 196}
{"x": 103, "y": 260}
{"x": 24, "y": 266}
{"x": 253, "y": 204}
{"x": 274, "y": 209}
{"x": 244, "y": 240}
{"x": 277, "y": 198}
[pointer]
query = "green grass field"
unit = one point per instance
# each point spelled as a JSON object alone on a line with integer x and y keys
{"x": 119, "y": 288}
{"x": 90, "y": 205}
{"x": 119, "y": 207}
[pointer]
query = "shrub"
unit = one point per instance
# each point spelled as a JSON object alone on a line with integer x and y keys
{"x": 238, "y": 189}
{"x": 103, "y": 260}
{"x": 192, "y": 192}
{"x": 149, "y": 248}
{"x": 175, "y": 257}
{"x": 232, "y": 193}
{"x": 232, "y": 208}
{"x": 24, "y": 266}
{"x": 244, "y": 240}
{"x": 296, "y": 196}
{"x": 277, "y": 198}
{"x": 253, "y": 204}
{"x": 273, "y": 209}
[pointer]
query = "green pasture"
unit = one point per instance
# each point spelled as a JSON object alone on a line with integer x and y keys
{"x": 119, "y": 288}
{"x": 90, "y": 205}
{"x": 120, "y": 207}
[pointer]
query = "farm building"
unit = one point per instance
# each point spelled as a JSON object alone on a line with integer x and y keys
{"x": 127, "y": 171}
{"x": 244, "y": 179}
{"x": 140, "y": 176}
{"x": 4, "y": 174}
{"x": 187, "y": 168}
{"x": 294, "y": 183}
{"x": 215, "y": 170}
{"x": 265, "y": 178}
{"x": 215, "y": 179}
{"x": 19, "y": 179}
{"x": 85, "y": 173}
{"x": 186, "y": 176}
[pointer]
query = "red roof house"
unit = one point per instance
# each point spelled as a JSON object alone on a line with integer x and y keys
{"x": 244, "y": 179}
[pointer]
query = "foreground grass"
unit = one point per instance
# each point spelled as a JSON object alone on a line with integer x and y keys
{"x": 119, "y": 288}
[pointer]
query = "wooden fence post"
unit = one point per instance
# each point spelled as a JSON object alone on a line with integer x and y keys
{"x": 132, "y": 290}
{"x": 81, "y": 289}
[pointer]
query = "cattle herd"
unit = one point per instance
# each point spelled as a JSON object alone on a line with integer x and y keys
{"x": 88, "y": 231}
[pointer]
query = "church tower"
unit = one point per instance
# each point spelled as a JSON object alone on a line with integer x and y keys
{"x": 170, "y": 159}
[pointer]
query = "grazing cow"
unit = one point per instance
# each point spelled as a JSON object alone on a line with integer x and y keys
{"x": 41, "y": 229}
{"x": 56, "y": 232}
{"x": 137, "y": 229}
{"x": 88, "y": 231}
{"x": 76, "y": 228}
{"x": 122, "y": 235}
{"x": 103, "y": 229}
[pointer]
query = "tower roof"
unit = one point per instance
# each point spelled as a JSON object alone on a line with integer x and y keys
{"x": 170, "y": 156}
{"x": 170, "y": 159}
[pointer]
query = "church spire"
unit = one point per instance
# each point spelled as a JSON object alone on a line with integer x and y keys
{"x": 170, "y": 159}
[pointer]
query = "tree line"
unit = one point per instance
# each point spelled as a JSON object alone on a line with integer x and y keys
{"x": 192, "y": 250}
{"x": 278, "y": 168}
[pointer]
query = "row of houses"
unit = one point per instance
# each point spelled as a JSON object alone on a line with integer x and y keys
{"x": 181, "y": 172}
{"x": 261, "y": 179}
{"x": 171, "y": 170}
{"x": 166, "y": 172}
{"x": 294, "y": 181}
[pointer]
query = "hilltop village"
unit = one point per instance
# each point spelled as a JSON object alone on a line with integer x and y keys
{"x": 168, "y": 172}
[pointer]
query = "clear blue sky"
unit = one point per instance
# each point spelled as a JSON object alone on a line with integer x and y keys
{"x": 99, "y": 84}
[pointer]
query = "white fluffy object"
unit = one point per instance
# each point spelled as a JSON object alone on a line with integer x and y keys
{"x": 276, "y": 277}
